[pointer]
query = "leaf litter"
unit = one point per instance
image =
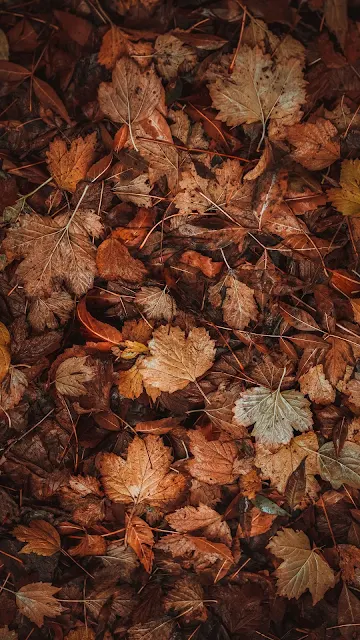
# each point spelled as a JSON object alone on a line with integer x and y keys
{"x": 180, "y": 309}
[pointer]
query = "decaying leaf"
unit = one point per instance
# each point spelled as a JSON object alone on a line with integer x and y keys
{"x": 141, "y": 539}
{"x": 144, "y": 477}
{"x": 156, "y": 303}
{"x": 216, "y": 461}
{"x": 343, "y": 468}
{"x": 302, "y": 567}
{"x": 114, "y": 261}
{"x": 175, "y": 359}
{"x": 316, "y": 146}
{"x": 314, "y": 384}
{"x": 186, "y": 598}
{"x": 275, "y": 414}
{"x": 36, "y": 600}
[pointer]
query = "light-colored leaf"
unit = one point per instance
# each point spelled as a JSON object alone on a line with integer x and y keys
{"x": 36, "y": 600}
{"x": 156, "y": 303}
{"x": 71, "y": 375}
{"x": 275, "y": 414}
{"x": 343, "y": 468}
{"x": 302, "y": 568}
{"x": 314, "y": 384}
{"x": 202, "y": 517}
{"x": 239, "y": 306}
{"x": 41, "y": 537}
{"x": 173, "y": 57}
{"x": 49, "y": 313}
{"x": 216, "y": 461}
{"x": 346, "y": 199}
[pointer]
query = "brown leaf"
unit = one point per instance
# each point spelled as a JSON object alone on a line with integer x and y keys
{"x": 5, "y": 360}
{"x": 202, "y": 517}
{"x": 130, "y": 382}
{"x": 89, "y": 546}
{"x": 219, "y": 410}
{"x": 348, "y": 614}
{"x": 314, "y": 384}
{"x": 140, "y": 538}
{"x": 49, "y": 313}
{"x": 132, "y": 95}
{"x": 76, "y": 28}
{"x": 68, "y": 167}
{"x": 316, "y": 144}
{"x": 173, "y": 57}
{"x": 41, "y": 537}
{"x": 296, "y": 486}
{"x": 114, "y": 262}
{"x": 215, "y": 461}
{"x": 95, "y": 329}
{"x": 156, "y": 303}
{"x": 49, "y": 98}
{"x": 36, "y": 600}
{"x": 336, "y": 359}
{"x": 186, "y": 599}
{"x": 114, "y": 45}
{"x": 201, "y": 549}
{"x": 157, "y": 427}
{"x": 255, "y": 523}
{"x": 12, "y": 388}
{"x": 176, "y": 359}
{"x": 335, "y": 13}
{"x": 81, "y": 633}
{"x": 163, "y": 159}
{"x": 209, "y": 268}
{"x": 162, "y": 628}
{"x": 12, "y": 73}
{"x": 71, "y": 376}
{"x": 55, "y": 250}
{"x": 145, "y": 477}
{"x": 298, "y": 318}
{"x": 239, "y": 306}
{"x": 349, "y": 561}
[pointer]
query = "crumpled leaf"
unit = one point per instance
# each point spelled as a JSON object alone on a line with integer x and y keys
{"x": 71, "y": 375}
{"x": 343, "y": 468}
{"x": 239, "y": 306}
{"x": 302, "y": 568}
{"x": 175, "y": 359}
{"x": 36, "y": 600}
{"x": 68, "y": 167}
{"x": 260, "y": 88}
{"x": 275, "y": 414}
{"x": 132, "y": 95}
{"x": 55, "y": 250}
{"x": 202, "y": 517}
{"x": 200, "y": 549}
{"x": 89, "y": 546}
{"x": 347, "y": 198}
{"x": 49, "y": 313}
{"x": 41, "y": 537}
{"x": 144, "y": 477}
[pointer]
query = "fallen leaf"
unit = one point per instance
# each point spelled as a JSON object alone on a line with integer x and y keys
{"x": 348, "y": 613}
{"x": 55, "y": 250}
{"x": 314, "y": 384}
{"x": 175, "y": 359}
{"x": 41, "y": 537}
{"x": 145, "y": 477}
{"x": 130, "y": 382}
{"x": 335, "y": 13}
{"x": 181, "y": 545}
{"x": 156, "y": 303}
{"x": 68, "y": 167}
{"x": 49, "y": 313}
{"x": 114, "y": 45}
{"x": 337, "y": 357}
{"x": 349, "y": 561}
{"x": 207, "y": 266}
{"x": 215, "y": 461}
{"x": 173, "y": 57}
{"x": 341, "y": 469}
{"x": 95, "y": 329}
{"x": 202, "y": 517}
{"x": 298, "y": 318}
{"x": 36, "y": 600}
{"x": 132, "y": 95}
{"x": 347, "y": 198}
{"x": 141, "y": 539}
{"x": 316, "y": 144}
{"x": 49, "y": 98}
{"x": 71, "y": 375}
{"x": 160, "y": 629}
{"x": 89, "y": 546}
{"x": 275, "y": 414}
{"x": 115, "y": 262}
{"x": 255, "y": 523}
{"x": 133, "y": 187}
{"x": 81, "y": 633}
{"x": 155, "y": 144}
{"x": 186, "y": 599}
{"x": 302, "y": 568}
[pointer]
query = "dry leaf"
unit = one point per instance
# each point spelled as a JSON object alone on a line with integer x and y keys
{"x": 336, "y": 18}
{"x": 130, "y": 382}
{"x": 277, "y": 466}
{"x": 71, "y": 375}
{"x": 173, "y": 57}
{"x": 215, "y": 461}
{"x": 163, "y": 159}
{"x": 6, "y": 634}
{"x": 132, "y": 95}
{"x": 186, "y": 599}
{"x": 202, "y": 517}
{"x": 114, "y": 45}
{"x": 336, "y": 359}
{"x": 5, "y": 360}
{"x": 68, "y": 167}
{"x": 49, "y": 313}
{"x": 89, "y": 546}
{"x": 347, "y": 198}
{"x": 95, "y": 329}
{"x": 41, "y": 537}
{"x": 145, "y": 477}
{"x": 141, "y": 539}
{"x": 81, "y": 633}
{"x": 162, "y": 628}
{"x": 239, "y": 306}
{"x": 275, "y": 414}
{"x": 114, "y": 262}
{"x": 302, "y": 568}
{"x": 314, "y": 384}
{"x": 156, "y": 303}
{"x": 36, "y": 600}
{"x": 55, "y": 250}
{"x": 219, "y": 410}
{"x": 132, "y": 187}
{"x": 316, "y": 144}
{"x": 12, "y": 388}
{"x": 349, "y": 561}
{"x": 260, "y": 88}
{"x": 255, "y": 523}
{"x": 343, "y": 468}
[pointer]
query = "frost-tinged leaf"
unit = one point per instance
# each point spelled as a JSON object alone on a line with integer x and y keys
{"x": 71, "y": 375}
{"x": 145, "y": 477}
{"x": 341, "y": 469}
{"x": 36, "y": 600}
{"x": 176, "y": 359}
{"x": 68, "y": 167}
{"x": 275, "y": 414}
{"x": 259, "y": 88}
{"x": 302, "y": 568}
{"x": 41, "y": 537}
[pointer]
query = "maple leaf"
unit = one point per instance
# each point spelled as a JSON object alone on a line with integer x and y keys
{"x": 41, "y": 536}
{"x": 275, "y": 414}
{"x": 175, "y": 359}
{"x": 239, "y": 306}
{"x": 202, "y": 517}
{"x": 36, "y": 600}
{"x": 215, "y": 461}
{"x": 141, "y": 539}
{"x": 340, "y": 468}
{"x": 347, "y": 198}
{"x": 173, "y": 57}
{"x": 314, "y": 384}
{"x": 49, "y": 313}
{"x": 316, "y": 144}
{"x": 156, "y": 303}
{"x": 277, "y": 466}
{"x": 186, "y": 598}
{"x": 71, "y": 375}
{"x": 132, "y": 95}
{"x": 68, "y": 167}
{"x": 55, "y": 250}
{"x": 260, "y": 88}
{"x": 302, "y": 568}
{"x": 145, "y": 477}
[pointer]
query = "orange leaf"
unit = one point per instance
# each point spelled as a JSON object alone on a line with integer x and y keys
{"x": 89, "y": 546}
{"x": 68, "y": 167}
{"x": 114, "y": 261}
{"x": 99, "y": 331}
{"x": 41, "y": 536}
{"x": 49, "y": 98}
{"x": 140, "y": 538}
{"x": 36, "y": 600}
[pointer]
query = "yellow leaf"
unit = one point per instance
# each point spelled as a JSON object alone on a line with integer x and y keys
{"x": 5, "y": 359}
{"x": 347, "y": 198}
